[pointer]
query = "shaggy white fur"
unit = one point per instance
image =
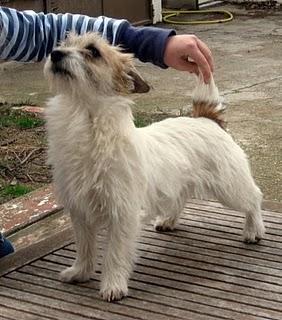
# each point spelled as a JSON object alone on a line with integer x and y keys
{"x": 110, "y": 174}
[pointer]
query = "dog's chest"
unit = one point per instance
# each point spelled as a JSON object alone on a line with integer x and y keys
{"x": 89, "y": 156}
{"x": 79, "y": 150}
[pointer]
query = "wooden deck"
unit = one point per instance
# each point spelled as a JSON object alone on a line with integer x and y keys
{"x": 202, "y": 271}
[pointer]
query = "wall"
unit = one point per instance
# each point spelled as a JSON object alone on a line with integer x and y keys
{"x": 37, "y": 5}
{"x": 138, "y": 12}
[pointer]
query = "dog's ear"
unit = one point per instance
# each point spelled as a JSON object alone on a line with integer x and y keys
{"x": 126, "y": 77}
{"x": 139, "y": 84}
{"x": 69, "y": 37}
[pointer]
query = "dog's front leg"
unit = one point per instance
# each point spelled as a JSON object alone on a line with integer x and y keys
{"x": 120, "y": 254}
{"x": 83, "y": 265}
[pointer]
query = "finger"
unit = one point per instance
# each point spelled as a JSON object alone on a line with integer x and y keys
{"x": 206, "y": 52}
{"x": 185, "y": 65}
{"x": 202, "y": 63}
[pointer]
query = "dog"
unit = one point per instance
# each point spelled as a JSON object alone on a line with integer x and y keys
{"x": 110, "y": 174}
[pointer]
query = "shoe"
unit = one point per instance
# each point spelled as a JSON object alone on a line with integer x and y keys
{"x": 5, "y": 246}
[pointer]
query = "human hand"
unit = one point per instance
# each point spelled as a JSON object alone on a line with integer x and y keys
{"x": 189, "y": 53}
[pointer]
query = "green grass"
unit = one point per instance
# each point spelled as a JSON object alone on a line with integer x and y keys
{"x": 20, "y": 120}
{"x": 141, "y": 121}
{"x": 15, "y": 191}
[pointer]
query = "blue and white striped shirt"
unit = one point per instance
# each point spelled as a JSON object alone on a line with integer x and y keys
{"x": 27, "y": 35}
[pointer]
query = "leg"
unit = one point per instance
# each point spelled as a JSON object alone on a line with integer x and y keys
{"x": 246, "y": 197}
{"x": 119, "y": 256}
{"x": 167, "y": 222}
{"x": 254, "y": 226}
{"x": 84, "y": 263}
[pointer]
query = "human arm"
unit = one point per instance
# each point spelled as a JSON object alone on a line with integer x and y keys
{"x": 31, "y": 36}
{"x": 166, "y": 49}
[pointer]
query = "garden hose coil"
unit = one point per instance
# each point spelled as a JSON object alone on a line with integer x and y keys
{"x": 168, "y": 14}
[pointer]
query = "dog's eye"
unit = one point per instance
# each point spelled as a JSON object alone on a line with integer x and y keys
{"x": 94, "y": 51}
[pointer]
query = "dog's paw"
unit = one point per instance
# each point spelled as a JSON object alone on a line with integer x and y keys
{"x": 113, "y": 288}
{"x": 113, "y": 294}
{"x": 251, "y": 237}
{"x": 254, "y": 233}
{"x": 164, "y": 225}
{"x": 74, "y": 274}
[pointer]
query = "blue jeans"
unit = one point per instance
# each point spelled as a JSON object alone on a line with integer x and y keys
{"x": 5, "y": 246}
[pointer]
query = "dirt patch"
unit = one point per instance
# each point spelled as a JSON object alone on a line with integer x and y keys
{"x": 271, "y": 5}
{"x": 256, "y": 10}
{"x": 23, "y": 148}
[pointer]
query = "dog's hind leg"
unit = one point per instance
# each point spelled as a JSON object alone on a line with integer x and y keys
{"x": 166, "y": 224}
{"x": 84, "y": 263}
{"x": 120, "y": 255}
{"x": 246, "y": 197}
{"x": 169, "y": 214}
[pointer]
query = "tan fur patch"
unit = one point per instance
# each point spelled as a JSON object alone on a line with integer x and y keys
{"x": 210, "y": 111}
{"x": 125, "y": 77}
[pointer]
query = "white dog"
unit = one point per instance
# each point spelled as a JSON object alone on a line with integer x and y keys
{"x": 110, "y": 174}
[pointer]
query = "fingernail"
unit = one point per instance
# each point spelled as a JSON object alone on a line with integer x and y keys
{"x": 207, "y": 79}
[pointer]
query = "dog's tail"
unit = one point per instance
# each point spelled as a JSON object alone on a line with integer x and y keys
{"x": 207, "y": 102}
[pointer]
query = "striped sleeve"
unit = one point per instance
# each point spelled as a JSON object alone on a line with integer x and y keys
{"x": 27, "y": 35}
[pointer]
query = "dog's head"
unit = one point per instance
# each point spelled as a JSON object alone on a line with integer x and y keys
{"x": 88, "y": 62}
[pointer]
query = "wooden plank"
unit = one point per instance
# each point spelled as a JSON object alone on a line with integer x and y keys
{"x": 26, "y": 305}
{"x": 232, "y": 225}
{"x": 9, "y": 312}
{"x": 188, "y": 250}
{"x": 33, "y": 252}
{"x": 189, "y": 283}
{"x": 142, "y": 291}
{"x": 203, "y": 255}
{"x": 215, "y": 205}
{"x": 202, "y": 240}
{"x": 225, "y": 231}
{"x": 202, "y": 271}
{"x": 183, "y": 270}
{"x": 188, "y": 231}
{"x": 69, "y": 301}
{"x": 152, "y": 303}
{"x": 154, "y": 285}
{"x": 272, "y": 206}
{"x": 238, "y": 222}
{"x": 215, "y": 251}
{"x": 71, "y": 305}
{"x": 175, "y": 257}
{"x": 216, "y": 238}
{"x": 199, "y": 237}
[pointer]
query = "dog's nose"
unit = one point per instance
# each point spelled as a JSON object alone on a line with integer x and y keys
{"x": 57, "y": 55}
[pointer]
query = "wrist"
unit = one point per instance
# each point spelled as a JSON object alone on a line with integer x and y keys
{"x": 147, "y": 43}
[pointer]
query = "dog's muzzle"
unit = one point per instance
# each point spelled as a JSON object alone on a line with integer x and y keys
{"x": 57, "y": 58}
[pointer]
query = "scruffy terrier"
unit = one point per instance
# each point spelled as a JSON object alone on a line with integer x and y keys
{"x": 110, "y": 174}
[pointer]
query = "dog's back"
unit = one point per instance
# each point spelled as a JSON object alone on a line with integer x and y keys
{"x": 207, "y": 102}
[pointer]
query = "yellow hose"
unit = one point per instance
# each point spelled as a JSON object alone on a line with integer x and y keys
{"x": 167, "y": 14}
